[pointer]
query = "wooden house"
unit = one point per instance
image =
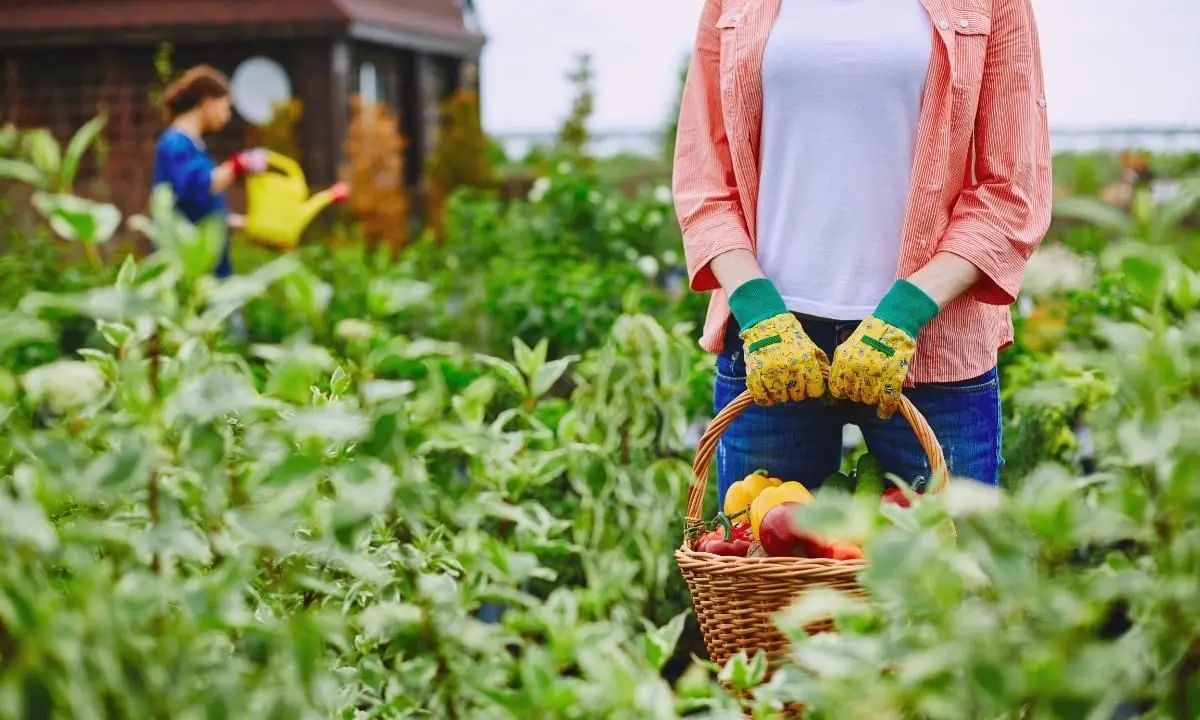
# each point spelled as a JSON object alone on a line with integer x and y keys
{"x": 63, "y": 61}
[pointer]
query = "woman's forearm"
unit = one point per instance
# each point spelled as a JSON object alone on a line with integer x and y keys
{"x": 945, "y": 277}
{"x": 734, "y": 268}
{"x": 222, "y": 177}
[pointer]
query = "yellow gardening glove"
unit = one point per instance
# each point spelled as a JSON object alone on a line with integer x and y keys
{"x": 782, "y": 363}
{"x": 872, "y": 365}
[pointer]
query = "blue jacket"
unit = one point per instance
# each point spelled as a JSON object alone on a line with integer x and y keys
{"x": 186, "y": 166}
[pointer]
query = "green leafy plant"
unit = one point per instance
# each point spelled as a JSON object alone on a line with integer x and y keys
{"x": 44, "y": 165}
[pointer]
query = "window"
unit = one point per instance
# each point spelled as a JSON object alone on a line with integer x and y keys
{"x": 369, "y": 88}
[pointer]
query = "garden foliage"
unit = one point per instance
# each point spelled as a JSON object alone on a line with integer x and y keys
{"x": 322, "y": 521}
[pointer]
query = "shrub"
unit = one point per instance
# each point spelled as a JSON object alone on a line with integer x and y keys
{"x": 375, "y": 172}
{"x": 460, "y": 158}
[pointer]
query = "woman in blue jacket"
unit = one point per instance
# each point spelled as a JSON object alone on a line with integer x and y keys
{"x": 195, "y": 105}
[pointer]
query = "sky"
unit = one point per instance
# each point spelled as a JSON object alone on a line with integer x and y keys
{"x": 1108, "y": 62}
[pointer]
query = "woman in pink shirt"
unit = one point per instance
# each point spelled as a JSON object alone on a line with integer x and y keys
{"x": 861, "y": 180}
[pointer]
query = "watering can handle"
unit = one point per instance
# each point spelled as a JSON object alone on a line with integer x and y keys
{"x": 284, "y": 164}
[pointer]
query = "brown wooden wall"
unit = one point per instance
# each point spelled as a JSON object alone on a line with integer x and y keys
{"x": 60, "y": 89}
{"x": 414, "y": 86}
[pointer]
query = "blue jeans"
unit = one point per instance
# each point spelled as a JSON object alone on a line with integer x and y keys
{"x": 803, "y": 441}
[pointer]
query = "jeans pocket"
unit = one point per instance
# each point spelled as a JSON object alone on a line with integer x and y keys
{"x": 731, "y": 365}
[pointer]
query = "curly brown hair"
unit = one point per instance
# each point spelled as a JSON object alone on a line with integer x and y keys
{"x": 192, "y": 88}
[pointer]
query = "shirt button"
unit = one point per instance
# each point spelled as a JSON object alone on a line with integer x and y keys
{"x": 735, "y": 17}
{"x": 963, "y": 23}
{"x": 943, "y": 24}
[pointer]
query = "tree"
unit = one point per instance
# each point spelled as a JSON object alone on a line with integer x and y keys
{"x": 375, "y": 172}
{"x": 460, "y": 156}
{"x": 573, "y": 136}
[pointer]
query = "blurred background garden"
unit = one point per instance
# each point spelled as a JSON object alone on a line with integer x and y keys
{"x": 476, "y": 385}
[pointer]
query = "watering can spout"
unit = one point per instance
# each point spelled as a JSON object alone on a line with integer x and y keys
{"x": 321, "y": 200}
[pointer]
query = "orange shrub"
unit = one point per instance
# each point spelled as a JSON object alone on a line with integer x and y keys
{"x": 375, "y": 172}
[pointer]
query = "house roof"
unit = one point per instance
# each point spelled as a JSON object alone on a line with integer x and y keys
{"x": 399, "y": 22}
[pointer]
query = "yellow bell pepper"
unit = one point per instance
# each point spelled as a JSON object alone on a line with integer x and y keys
{"x": 772, "y": 496}
{"x": 740, "y": 494}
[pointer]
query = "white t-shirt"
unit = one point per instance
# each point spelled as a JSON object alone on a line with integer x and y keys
{"x": 842, "y": 84}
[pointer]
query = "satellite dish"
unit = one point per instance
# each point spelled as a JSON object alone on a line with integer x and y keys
{"x": 258, "y": 87}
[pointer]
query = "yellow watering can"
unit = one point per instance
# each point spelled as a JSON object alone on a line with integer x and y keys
{"x": 278, "y": 206}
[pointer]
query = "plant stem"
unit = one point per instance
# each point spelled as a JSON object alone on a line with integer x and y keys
{"x": 153, "y": 351}
{"x": 94, "y": 256}
{"x": 1184, "y": 674}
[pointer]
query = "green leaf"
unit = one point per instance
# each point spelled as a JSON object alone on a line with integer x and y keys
{"x": 1094, "y": 212}
{"x": 819, "y": 604}
{"x": 44, "y": 152}
{"x": 76, "y": 149}
{"x": 377, "y": 391}
{"x": 1171, "y": 213}
{"x": 546, "y": 375}
{"x": 384, "y": 621}
{"x": 237, "y": 290}
{"x": 744, "y": 673}
{"x": 199, "y": 248}
{"x": 334, "y": 423}
{"x": 21, "y": 172}
{"x": 105, "y": 303}
{"x": 308, "y": 647}
{"x": 339, "y": 382}
{"x": 78, "y": 220}
{"x": 306, "y": 292}
{"x": 128, "y": 272}
{"x": 507, "y": 372}
{"x": 24, "y": 522}
{"x": 20, "y": 328}
{"x": 388, "y": 296}
{"x": 659, "y": 643}
{"x": 212, "y": 396}
{"x": 524, "y": 357}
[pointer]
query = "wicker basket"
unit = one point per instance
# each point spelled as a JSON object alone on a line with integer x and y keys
{"x": 736, "y": 597}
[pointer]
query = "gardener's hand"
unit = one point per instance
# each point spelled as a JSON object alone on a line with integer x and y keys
{"x": 872, "y": 365}
{"x": 782, "y": 363}
{"x": 249, "y": 161}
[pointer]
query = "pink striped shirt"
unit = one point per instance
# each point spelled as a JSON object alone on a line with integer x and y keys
{"x": 980, "y": 188}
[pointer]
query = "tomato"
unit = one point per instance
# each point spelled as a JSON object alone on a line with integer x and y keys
{"x": 781, "y": 536}
{"x": 844, "y": 551}
{"x": 737, "y": 544}
{"x": 773, "y": 496}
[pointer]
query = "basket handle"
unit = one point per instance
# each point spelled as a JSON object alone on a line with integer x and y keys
{"x": 712, "y": 437}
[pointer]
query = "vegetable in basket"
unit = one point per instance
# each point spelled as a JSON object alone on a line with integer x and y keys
{"x": 781, "y": 536}
{"x": 733, "y": 541}
{"x": 896, "y": 496}
{"x": 740, "y": 494}
{"x": 772, "y": 496}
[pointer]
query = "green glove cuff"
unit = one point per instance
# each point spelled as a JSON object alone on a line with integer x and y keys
{"x": 754, "y": 301}
{"x": 907, "y": 307}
